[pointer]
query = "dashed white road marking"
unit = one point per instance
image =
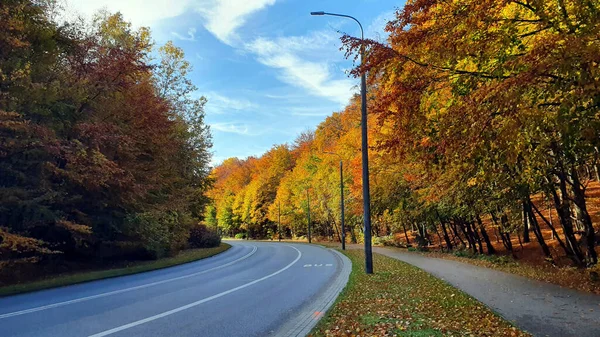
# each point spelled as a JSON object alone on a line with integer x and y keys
{"x": 318, "y": 265}
{"x": 82, "y": 299}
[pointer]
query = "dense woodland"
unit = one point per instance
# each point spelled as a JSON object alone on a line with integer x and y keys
{"x": 484, "y": 124}
{"x": 104, "y": 154}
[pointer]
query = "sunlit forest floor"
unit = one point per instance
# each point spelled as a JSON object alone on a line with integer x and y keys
{"x": 528, "y": 259}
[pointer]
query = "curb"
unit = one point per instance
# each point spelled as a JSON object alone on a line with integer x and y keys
{"x": 308, "y": 318}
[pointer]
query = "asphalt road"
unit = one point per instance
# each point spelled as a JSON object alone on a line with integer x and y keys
{"x": 253, "y": 289}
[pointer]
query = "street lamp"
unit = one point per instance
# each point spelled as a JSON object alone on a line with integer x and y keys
{"x": 308, "y": 213}
{"x": 341, "y": 198}
{"x": 365, "y": 150}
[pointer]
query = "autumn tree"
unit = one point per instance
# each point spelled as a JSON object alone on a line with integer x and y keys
{"x": 97, "y": 159}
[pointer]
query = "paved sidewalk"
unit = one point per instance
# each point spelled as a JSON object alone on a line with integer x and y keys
{"x": 543, "y": 309}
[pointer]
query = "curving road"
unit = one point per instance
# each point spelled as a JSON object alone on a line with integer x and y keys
{"x": 253, "y": 289}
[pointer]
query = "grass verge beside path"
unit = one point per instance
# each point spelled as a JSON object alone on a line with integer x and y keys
{"x": 402, "y": 300}
{"x": 69, "y": 279}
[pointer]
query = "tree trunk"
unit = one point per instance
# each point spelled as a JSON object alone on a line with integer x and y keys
{"x": 337, "y": 230}
{"x": 455, "y": 231}
{"x": 505, "y": 236}
{"x": 486, "y": 238}
{"x": 473, "y": 230}
{"x": 590, "y": 234}
{"x": 507, "y": 241}
{"x": 567, "y": 251}
{"x": 446, "y": 237}
{"x": 536, "y": 229}
{"x": 469, "y": 235}
{"x": 596, "y": 164}
{"x": 525, "y": 225}
{"x": 564, "y": 214}
{"x": 405, "y": 234}
{"x": 520, "y": 242}
{"x": 496, "y": 234}
{"x": 437, "y": 232}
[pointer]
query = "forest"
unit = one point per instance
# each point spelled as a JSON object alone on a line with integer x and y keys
{"x": 104, "y": 153}
{"x": 484, "y": 128}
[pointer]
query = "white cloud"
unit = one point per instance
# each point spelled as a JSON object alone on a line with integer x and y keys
{"x": 306, "y": 62}
{"x": 138, "y": 12}
{"x": 221, "y": 17}
{"x": 191, "y": 35}
{"x": 224, "y": 17}
{"x": 376, "y": 30}
{"x": 310, "y": 112}
{"x": 234, "y": 127}
{"x": 221, "y": 104}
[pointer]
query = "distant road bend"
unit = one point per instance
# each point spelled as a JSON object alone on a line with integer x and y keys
{"x": 253, "y": 289}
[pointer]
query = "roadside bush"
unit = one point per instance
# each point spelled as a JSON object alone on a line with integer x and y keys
{"x": 203, "y": 237}
{"x": 463, "y": 253}
{"x": 389, "y": 241}
{"x": 380, "y": 241}
{"x": 241, "y": 236}
{"x": 161, "y": 233}
{"x": 360, "y": 237}
{"x": 497, "y": 259}
{"x": 122, "y": 250}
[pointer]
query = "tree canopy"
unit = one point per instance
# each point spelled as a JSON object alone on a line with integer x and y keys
{"x": 104, "y": 152}
{"x": 477, "y": 108}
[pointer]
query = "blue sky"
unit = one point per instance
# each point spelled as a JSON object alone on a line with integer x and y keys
{"x": 268, "y": 69}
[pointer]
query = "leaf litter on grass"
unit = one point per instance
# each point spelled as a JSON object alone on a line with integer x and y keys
{"x": 402, "y": 300}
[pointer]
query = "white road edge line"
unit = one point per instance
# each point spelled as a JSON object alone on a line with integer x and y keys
{"x": 191, "y": 305}
{"x": 82, "y": 299}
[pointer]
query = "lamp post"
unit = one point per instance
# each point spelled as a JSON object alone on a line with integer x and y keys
{"x": 308, "y": 213}
{"x": 341, "y": 198}
{"x": 365, "y": 151}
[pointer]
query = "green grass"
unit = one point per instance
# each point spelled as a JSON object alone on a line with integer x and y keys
{"x": 402, "y": 300}
{"x": 68, "y": 279}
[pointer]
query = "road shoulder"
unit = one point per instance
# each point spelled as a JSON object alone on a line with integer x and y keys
{"x": 308, "y": 317}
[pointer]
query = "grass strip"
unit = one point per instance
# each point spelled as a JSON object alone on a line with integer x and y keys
{"x": 402, "y": 300}
{"x": 81, "y": 277}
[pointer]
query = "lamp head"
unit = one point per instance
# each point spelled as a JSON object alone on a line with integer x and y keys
{"x": 317, "y": 13}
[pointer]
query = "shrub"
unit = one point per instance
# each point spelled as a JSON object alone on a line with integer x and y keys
{"x": 161, "y": 233}
{"x": 495, "y": 259}
{"x": 463, "y": 253}
{"x": 240, "y": 236}
{"x": 390, "y": 240}
{"x": 203, "y": 237}
{"x": 123, "y": 250}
